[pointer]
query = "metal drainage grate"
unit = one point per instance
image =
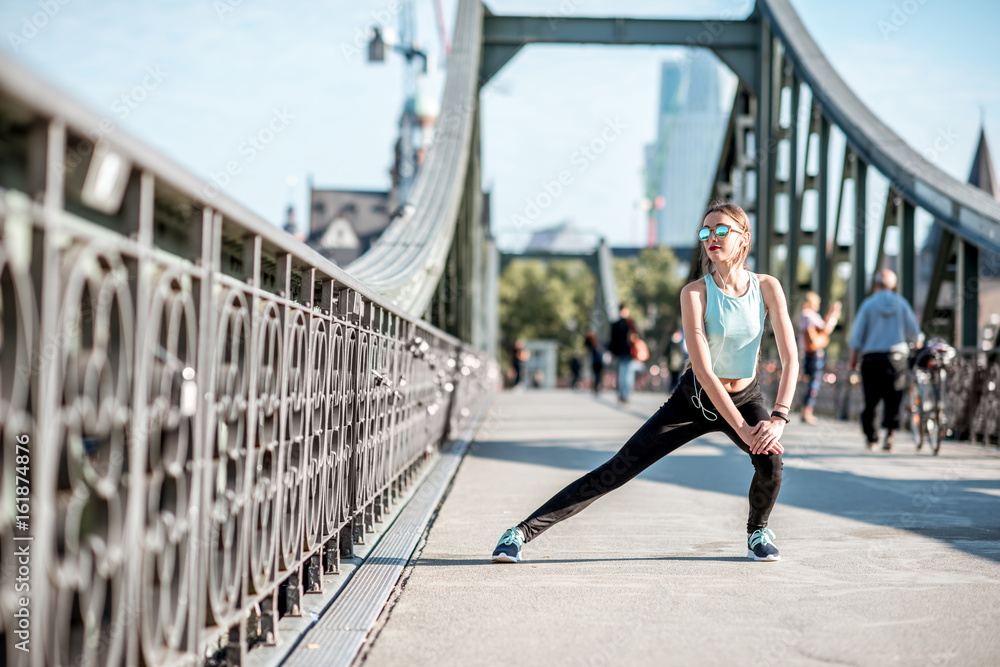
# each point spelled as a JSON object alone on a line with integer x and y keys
{"x": 340, "y": 633}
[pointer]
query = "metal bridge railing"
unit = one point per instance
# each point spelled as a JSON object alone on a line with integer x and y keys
{"x": 199, "y": 414}
{"x": 973, "y": 401}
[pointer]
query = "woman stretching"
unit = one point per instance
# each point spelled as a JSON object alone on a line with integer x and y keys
{"x": 723, "y": 321}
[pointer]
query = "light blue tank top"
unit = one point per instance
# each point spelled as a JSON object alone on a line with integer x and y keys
{"x": 734, "y": 326}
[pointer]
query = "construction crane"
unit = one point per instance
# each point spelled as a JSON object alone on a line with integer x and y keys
{"x": 419, "y": 113}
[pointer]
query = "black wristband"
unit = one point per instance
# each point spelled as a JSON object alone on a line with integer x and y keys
{"x": 779, "y": 415}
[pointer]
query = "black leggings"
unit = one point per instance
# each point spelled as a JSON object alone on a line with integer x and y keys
{"x": 676, "y": 422}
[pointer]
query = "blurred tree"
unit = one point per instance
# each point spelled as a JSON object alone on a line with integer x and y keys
{"x": 651, "y": 286}
{"x": 554, "y": 301}
{"x": 550, "y": 301}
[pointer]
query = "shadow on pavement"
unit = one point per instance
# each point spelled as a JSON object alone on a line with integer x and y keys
{"x": 445, "y": 562}
{"x": 926, "y": 507}
{"x": 625, "y": 408}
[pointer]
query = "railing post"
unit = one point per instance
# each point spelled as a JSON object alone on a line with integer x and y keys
{"x": 46, "y": 274}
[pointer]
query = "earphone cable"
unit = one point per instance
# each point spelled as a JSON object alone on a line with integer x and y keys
{"x": 696, "y": 400}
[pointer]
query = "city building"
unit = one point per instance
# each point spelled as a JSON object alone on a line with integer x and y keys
{"x": 563, "y": 237}
{"x": 681, "y": 165}
{"x": 344, "y": 224}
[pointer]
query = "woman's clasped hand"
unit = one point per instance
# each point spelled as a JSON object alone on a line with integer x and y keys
{"x": 765, "y": 437}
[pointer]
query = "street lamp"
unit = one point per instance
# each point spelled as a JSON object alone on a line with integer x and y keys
{"x": 378, "y": 43}
{"x": 376, "y": 46}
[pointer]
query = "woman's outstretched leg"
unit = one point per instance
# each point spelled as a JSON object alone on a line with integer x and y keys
{"x": 674, "y": 424}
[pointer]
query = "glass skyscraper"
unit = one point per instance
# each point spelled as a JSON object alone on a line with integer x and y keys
{"x": 692, "y": 124}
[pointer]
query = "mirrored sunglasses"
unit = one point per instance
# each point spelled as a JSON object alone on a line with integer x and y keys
{"x": 721, "y": 232}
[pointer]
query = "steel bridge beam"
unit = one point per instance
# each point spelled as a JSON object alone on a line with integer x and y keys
{"x": 907, "y": 250}
{"x": 858, "y": 250}
{"x": 967, "y": 295}
{"x": 940, "y": 274}
{"x": 734, "y": 42}
{"x": 793, "y": 201}
{"x": 970, "y": 213}
{"x": 767, "y": 121}
{"x": 624, "y": 31}
{"x": 821, "y": 275}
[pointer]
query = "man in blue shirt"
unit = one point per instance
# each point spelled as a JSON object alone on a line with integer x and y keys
{"x": 882, "y": 330}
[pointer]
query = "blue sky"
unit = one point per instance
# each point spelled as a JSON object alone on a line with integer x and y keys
{"x": 226, "y": 68}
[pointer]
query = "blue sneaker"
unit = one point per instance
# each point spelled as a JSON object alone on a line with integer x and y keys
{"x": 761, "y": 545}
{"x": 509, "y": 547}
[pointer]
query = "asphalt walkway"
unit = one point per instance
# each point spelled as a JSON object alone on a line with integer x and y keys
{"x": 886, "y": 559}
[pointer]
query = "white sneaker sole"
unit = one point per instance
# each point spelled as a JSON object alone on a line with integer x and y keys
{"x": 504, "y": 558}
{"x": 752, "y": 556}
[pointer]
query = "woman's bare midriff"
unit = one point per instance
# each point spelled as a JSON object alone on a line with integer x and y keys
{"x": 733, "y": 386}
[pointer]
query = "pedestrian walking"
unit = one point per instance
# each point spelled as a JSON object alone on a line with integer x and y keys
{"x": 620, "y": 346}
{"x": 575, "y": 366}
{"x": 593, "y": 345}
{"x": 518, "y": 355}
{"x": 815, "y": 336}
{"x": 723, "y": 320}
{"x": 883, "y": 329}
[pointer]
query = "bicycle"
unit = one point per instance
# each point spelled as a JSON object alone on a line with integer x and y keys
{"x": 927, "y": 412}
